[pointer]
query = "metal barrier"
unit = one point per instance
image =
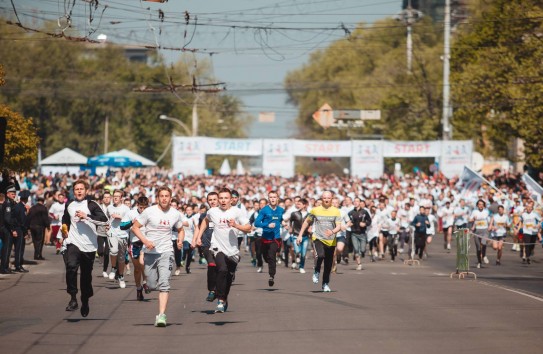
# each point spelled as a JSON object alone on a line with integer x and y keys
{"x": 462, "y": 254}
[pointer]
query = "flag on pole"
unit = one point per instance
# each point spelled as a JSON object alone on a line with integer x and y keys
{"x": 469, "y": 183}
{"x": 536, "y": 191}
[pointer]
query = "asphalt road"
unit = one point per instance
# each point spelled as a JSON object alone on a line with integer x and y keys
{"x": 385, "y": 308}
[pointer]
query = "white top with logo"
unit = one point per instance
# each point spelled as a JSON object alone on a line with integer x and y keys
{"x": 480, "y": 218}
{"x": 158, "y": 227}
{"x": 530, "y": 223}
{"x": 225, "y": 238}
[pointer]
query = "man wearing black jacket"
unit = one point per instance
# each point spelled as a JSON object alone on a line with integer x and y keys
{"x": 8, "y": 228}
{"x": 81, "y": 217}
{"x": 37, "y": 221}
{"x": 359, "y": 221}
{"x": 20, "y": 215}
{"x": 295, "y": 224}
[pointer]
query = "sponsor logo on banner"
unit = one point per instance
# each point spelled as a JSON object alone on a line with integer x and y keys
{"x": 455, "y": 155}
{"x": 367, "y": 159}
{"x": 188, "y": 155}
{"x": 278, "y": 158}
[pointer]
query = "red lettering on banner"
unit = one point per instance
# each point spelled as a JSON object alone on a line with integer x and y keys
{"x": 411, "y": 148}
{"x": 322, "y": 148}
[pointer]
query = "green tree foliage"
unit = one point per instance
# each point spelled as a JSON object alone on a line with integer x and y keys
{"x": 368, "y": 70}
{"x": 21, "y": 147}
{"x": 497, "y": 76}
{"x": 70, "y": 88}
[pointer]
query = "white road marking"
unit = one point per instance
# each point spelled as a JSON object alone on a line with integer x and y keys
{"x": 511, "y": 290}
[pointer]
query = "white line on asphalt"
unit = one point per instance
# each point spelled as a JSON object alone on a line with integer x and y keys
{"x": 511, "y": 290}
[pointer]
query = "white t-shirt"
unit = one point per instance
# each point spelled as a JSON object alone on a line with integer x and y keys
{"x": 447, "y": 215}
{"x": 461, "y": 215}
{"x": 130, "y": 217}
{"x": 82, "y": 233}
{"x": 189, "y": 230}
{"x": 158, "y": 227}
{"x": 480, "y": 218}
{"x": 431, "y": 230}
{"x": 57, "y": 210}
{"x": 115, "y": 226}
{"x": 530, "y": 223}
{"x": 225, "y": 238}
{"x": 500, "y": 223}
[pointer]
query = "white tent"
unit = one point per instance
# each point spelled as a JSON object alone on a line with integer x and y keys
{"x": 65, "y": 156}
{"x": 225, "y": 168}
{"x": 127, "y": 153}
{"x": 63, "y": 161}
{"x": 239, "y": 168}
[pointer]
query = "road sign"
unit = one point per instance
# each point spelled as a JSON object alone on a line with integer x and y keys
{"x": 324, "y": 116}
{"x": 355, "y": 114}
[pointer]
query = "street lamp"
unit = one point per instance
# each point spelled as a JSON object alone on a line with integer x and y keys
{"x": 183, "y": 125}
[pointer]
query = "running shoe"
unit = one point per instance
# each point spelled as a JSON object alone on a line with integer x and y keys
{"x": 359, "y": 267}
{"x": 271, "y": 281}
{"x": 401, "y": 250}
{"x": 177, "y": 271}
{"x": 316, "y": 277}
{"x": 278, "y": 260}
{"x": 146, "y": 288}
{"x": 326, "y": 288}
{"x": 302, "y": 270}
{"x": 220, "y": 307}
{"x": 128, "y": 272}
{"x": 160, "y": 320}
{"x": 486, "y": 260}
{"x": 334, "y": 268}
{"x": 112, "y": 273}
{"x": 293, "y": 265}
{"x": 478, "y": 265}
{"x": 105, "y": 275}
{"x": 72, "y": 305}
{"x": 139, "y": 294}
{"x": 259, "y": 270}
{"x": 122, "y": 283}
{"x": 253, "y": 262}
{"x": 498, "y": 262}
{"x": 188, "y": 270}
{"x": 528, "y": 261}
{"x": 523, "y": 260}
{"x": 448, "y": 246}
{"x": 211, "y": 296}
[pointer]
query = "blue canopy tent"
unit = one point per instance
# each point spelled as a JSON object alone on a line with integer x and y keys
{"x": 113, "y": 161}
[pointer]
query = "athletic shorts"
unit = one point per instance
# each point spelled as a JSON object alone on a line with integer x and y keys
{"x": 498, "y": 238}
{"x": 341, "y": 239}
{"x": 135, "y": 249}
{"x": 158, "y": 270}
{"x": 385, "y": 234}
{"x": 117, "y": 246}
{"x": 446, "y": 229}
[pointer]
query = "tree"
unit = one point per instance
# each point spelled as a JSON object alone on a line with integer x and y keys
{"x": 368, "y": 71}
{"x": 496, "y": 75}
{"x": 21, "y": 148}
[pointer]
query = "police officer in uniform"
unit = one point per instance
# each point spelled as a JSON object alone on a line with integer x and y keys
{"x": 20, "y": 217}
{"x": 9, "y": 228}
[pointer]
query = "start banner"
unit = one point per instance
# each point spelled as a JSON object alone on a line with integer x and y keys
{"x": 412, "y": 148}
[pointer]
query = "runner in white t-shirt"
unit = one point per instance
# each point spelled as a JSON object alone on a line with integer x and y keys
{"x": 447, "y": 216}
{"x": 480, "y": 218}
{"x": 158, "y": 221}
{"x": 228, "y": 221}
{"x": 498, "y": 226}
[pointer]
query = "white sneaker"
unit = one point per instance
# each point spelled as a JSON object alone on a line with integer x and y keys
{"x": 316, "y": 278}
{"x": 279, "y": 261}
{"x": 177, "y": 271}
{"x": 105, "y": 275}
{"x": 326, "y": 288}
{"x": 128, "y": 272}
{"x": 112, "y": 274}
{"x": 448, "y": 246}
{"x": 486, "y": 260}
{"x": 293, "y": 265}
{"x": 297, "y": 259}
{"x": 302, "y": 270}
{"x": 478, "y": 265}
{"x": 359, "y": 267}
{"x": 400, "y": 250}
{"x": 122, "y": 284}
{"x": 259, "y": 270}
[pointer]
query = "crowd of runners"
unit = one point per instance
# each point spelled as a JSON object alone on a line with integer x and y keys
{"x": 152, "y": 224}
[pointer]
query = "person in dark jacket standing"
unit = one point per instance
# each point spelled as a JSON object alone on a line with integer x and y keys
{"x": 20, "y": 211}
{"x": 37, "y": 221}
{"x": 421, "y": 223}
{"x": 81, "y": 217}
{"x": 8, "y": 229}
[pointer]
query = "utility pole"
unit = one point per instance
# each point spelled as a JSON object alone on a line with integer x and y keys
{"x": 195, "y": 115}
{"x": 106, "y": 134}
{"x": 447, "y": 109}
{"x": 409, "y": 16}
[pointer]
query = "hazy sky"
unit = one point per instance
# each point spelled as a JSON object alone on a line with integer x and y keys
{"x": 255, "y": 42}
